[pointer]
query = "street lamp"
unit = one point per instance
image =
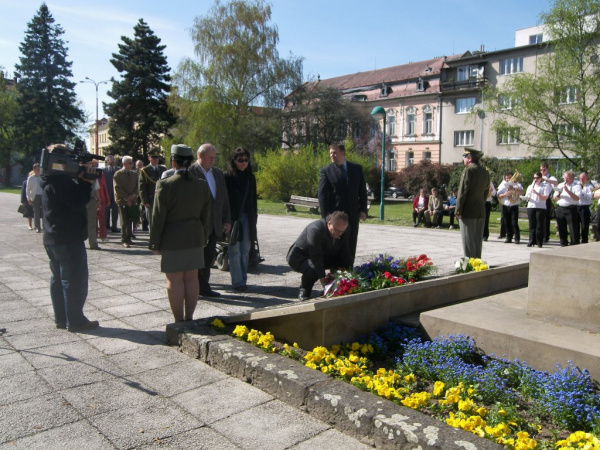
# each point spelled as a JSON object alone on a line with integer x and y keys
{"x": 89, "y": 80}
{"x": 378, "y": 113}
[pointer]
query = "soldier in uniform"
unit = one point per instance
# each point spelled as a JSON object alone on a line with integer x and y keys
{"x": 147, "y": 178}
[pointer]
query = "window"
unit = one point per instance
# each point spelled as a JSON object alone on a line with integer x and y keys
{"x": 508, "y": 136}
{"x": 463, "y": 138}
{"x": 420, "y": 85}
{"x": 536, "y": 39}
{"x": 411, "y": 118}
{"x": 427, "y": 123}
{"x": 427, "y": 156}
{"x": 511, "y": 65}
{"x": 506, "y": 101}
{"x": 410, "y": 158}
{"x": 567, "y": 96}
{"x": 465, "y": 105}
{"x": 463, "y": 73}
{"x": 391, "y": 163}
{"x": 391, "y": 123}
{"x": 565, "y": 131}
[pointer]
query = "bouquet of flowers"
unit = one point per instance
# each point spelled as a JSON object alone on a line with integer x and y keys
{"x": 382, "y": 272}
{"x": 466, "y": 264}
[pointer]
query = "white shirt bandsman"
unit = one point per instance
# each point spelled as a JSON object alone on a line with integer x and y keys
{"x": 533, "y": 195}
{"x": 503, "y": 188}
{"x": 586, "y": 195}
{"x": 563, "y": 198}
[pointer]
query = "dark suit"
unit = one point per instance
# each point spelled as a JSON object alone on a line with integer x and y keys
{"x": 316, "y": 250}
{"x": 220, "y": 215}
{"x": 347, "y": 194}
{"x": 112, "y": 210}
{"x": 181, "y": 213}
{"x": 147, "y": 179}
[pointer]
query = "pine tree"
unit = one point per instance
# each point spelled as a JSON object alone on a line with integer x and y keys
{"x": 47, "y": 109}
{"x": 139, "y": 116}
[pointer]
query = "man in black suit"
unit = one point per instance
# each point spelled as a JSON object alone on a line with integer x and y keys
{"x": 342, "y": 187}
{"x": 323, "y": 244}
{"x": 147, "y": 178}
{"x": 112, "y": 210}
{"x": 221, "y": 216}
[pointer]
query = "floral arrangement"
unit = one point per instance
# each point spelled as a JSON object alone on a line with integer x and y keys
{"x": 504, "y": 401}
{"x": 382, "y": 272}
{"x": 466, "y": 264}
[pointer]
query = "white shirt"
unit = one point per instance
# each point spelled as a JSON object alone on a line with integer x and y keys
{"x": 210, "y": 179}
{"x": 586, "y": 195}
{"x": 534, "y": 199}
{"x": 564, "y": 199}
{"x": 492, "y": 192}
{"x": 33, "y": 187}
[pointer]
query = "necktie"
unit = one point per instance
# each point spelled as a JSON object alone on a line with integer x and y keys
{"x": 343, "y": 169}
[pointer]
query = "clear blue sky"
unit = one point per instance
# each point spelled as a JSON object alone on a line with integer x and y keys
{"x": 335, "y": 37}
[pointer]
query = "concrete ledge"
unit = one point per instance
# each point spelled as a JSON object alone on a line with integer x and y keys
{"x": 370, "y": 419}
{"x": 319, "y": 322}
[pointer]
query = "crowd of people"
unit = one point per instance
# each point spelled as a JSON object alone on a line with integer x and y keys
{"x": 193, "y": 206}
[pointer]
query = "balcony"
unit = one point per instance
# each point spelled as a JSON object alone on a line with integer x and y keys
{"x": 471, "y": 83}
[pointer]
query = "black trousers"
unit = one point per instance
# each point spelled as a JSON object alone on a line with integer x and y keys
{"x": 210, "y": 253}
{"x": 584, "y": 214}
{"x": 567, "y": 221}
{"x": 510, "y": 215}
{"x": 537, "y": 225}
{"x": 112, "y": 214}
{"x": 486, "y": 226}
{"x": 298, "y": 260}
{"x": 549, "y": 210}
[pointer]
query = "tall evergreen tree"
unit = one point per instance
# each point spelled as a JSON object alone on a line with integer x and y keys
{"x": 8, "y": 109}
{"x": 47, "y": 109}
{"x": 139, "y": 116}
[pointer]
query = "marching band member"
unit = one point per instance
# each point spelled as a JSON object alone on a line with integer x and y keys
{"x": 508, "y": 194}
{"x": 566, "y": 196}
{"x": 547, "y": 178}
{"x": 537, "y": 194}
{"x": 583, "y": 207}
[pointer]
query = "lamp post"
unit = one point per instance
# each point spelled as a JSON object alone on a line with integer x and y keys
{"x": 96, "y": 84}
{"x": 379, "y": 113}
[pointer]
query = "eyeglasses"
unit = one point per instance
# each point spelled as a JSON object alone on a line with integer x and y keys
{"x": 242, "y": 160}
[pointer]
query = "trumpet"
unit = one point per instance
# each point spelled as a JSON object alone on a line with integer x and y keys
{"x": 513, "y": 196}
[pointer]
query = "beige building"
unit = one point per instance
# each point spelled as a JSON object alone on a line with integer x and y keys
{"x": 103, "y": 139}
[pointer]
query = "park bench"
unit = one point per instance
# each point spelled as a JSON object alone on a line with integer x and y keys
{"x": 308, "y": 202}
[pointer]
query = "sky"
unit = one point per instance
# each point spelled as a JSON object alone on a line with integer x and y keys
{"x": 334, "y": 37}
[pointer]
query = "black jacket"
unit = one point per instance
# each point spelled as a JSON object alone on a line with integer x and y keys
{"x": 64, "y": 203}
{"x": 236, "y": 188}
{"x": 337, "y": 193}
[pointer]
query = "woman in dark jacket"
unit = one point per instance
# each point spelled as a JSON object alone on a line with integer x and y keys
{"x": 241, "y": 187}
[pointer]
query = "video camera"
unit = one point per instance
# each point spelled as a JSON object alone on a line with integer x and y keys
{"x": 60, "y": 158}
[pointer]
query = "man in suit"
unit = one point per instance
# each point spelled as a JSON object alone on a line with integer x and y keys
{"x": 126, "y": 192}
{"x": 221, "y": 216}
{"x": 112, "y": 211}
{"x": 323, "y": 244}
{"x": 342, "y": 187}
{"x": 147, "y": 178}
{"x": 470, "y": 203}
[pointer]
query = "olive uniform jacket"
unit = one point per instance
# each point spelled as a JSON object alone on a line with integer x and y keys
{"x": 147, "y": 178}
{"x": 472, "y": 192}
{"x": 126, "y": 183}
{"x": 181, "y": 215}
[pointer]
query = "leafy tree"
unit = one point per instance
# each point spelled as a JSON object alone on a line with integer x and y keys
{"x": 314, "y": 114}
{"x": 139, "y": 116}
{"x": 8, "y": 109}
{"x": 558, "y": 106}
{"x": 424, "y": 175}
{"x": 47, "y": 110}
{"x": 232, "y": 93}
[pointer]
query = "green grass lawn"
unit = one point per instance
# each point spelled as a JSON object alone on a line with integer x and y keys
{"x": 398, "y": 213}
{"x": 10, "y": 190}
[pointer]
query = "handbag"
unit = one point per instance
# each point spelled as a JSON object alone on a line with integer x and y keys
{"x": 234, "y": 234}
{"x": 21, "y": 209}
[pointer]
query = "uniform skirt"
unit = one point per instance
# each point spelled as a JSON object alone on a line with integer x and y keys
{"x": 182, "y": 260}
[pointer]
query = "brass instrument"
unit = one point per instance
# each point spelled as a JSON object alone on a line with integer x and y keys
{"x": 513, "y": 196}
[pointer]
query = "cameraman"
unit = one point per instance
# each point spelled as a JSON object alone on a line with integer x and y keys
{"x": 64, "y": 201}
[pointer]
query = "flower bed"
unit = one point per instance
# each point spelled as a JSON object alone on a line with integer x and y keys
{"x": 382, "y": 272}
{"x": 505, "y": 401}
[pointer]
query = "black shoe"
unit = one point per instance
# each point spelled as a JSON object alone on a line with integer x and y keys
{"x": 95, "y": 247}
{"x": 61, "y": 326}
{"x": 546, "y": 240}
{"x": 517, "y": 241}
{"x": 485, "y": 239}
{"x": 241, "y": 288}
{"x": 115, "y": 230}
{"x": 530, "y": 244}
{"x": 500, "y": 237}
{"x": 540, "y": 245}
{"x": 303, "y": 295}
{"x": 90, "y": 325}
{"x": 210, "y": 293}
{"x": 508, "y": 241}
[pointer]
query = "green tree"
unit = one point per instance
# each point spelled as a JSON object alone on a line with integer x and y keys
{"x": 231, "y": 94}
{"x": 8, "y": 109}
{"x": 139, "y": 116}
{"x": 47, "y": 109}
{"x": 557, "y": 108}
{"x": 315, "y": 114}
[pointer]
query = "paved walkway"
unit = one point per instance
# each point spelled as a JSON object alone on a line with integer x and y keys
{"x": 120, "y": 386}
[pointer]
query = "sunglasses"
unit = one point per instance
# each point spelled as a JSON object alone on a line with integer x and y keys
{"x": 242, "y": 160}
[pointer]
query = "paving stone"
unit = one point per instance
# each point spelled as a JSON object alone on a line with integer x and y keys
{"x": 198, "y": 439}
{"x": 22, "y": 386}
{"x": 145, "y": 424}
{"x": 34, "y": 415}
{"x": 60, "y": 354}
{"x": 40, "y": 339}
{"x": 209, "y": 404}
{"x": 330, "y": 439}
{"x": 130, "y": 309}
{"x": 156, "y": 320}
{"x": 286, "y": 426}
{"x": 74, "y": 436}
{"x": 78, "y": 373}
{"x": 177, "y": 378}
{"x": 147, "y": 358}
{"x": 12, "y": 363}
